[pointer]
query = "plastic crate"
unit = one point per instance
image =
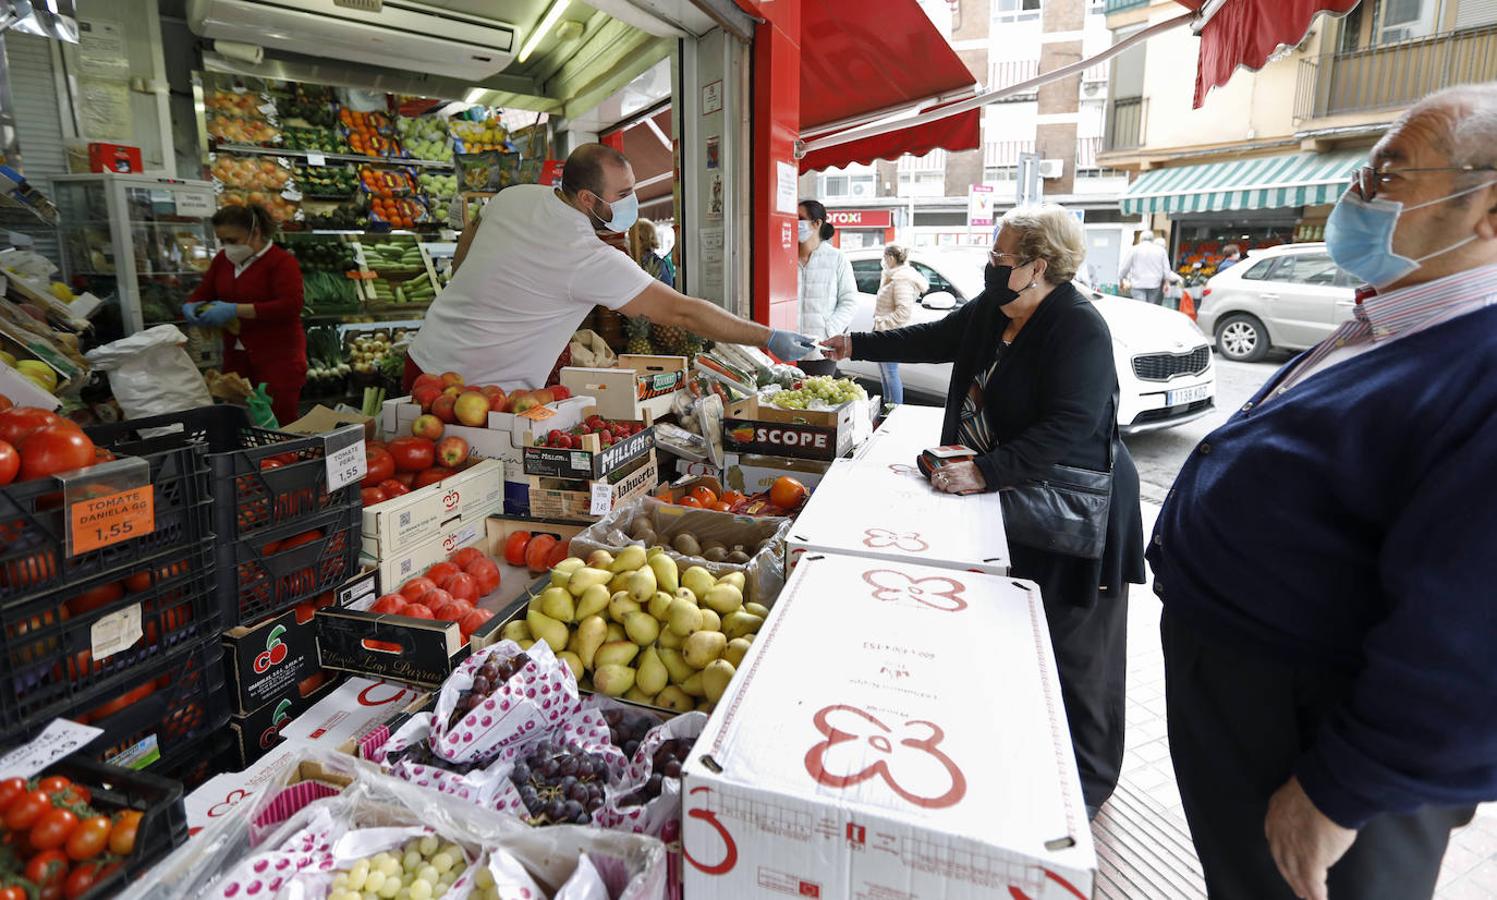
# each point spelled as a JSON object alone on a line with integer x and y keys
{"x": 257, "y": 579}
{"x": 47, "y": 642}
{"x": 33, "y": 529}
{"x": 201, "y": 759}
{"x": 163, "y": 821}
{"x": 248, "y": 497}
{"x": 184, "y": 706}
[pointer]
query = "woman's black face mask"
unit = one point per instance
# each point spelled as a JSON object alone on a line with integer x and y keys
{"x": 995, "y": 279}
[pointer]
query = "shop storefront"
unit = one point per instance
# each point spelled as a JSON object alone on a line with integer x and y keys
{"x": 858, "y": 228}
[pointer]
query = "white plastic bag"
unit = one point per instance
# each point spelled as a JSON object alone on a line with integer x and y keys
{"x": 150, "y": 374}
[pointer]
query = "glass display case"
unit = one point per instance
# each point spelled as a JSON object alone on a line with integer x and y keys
{"x": 143, "y": 240}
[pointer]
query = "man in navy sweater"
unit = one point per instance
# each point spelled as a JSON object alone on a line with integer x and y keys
{"x": 1327, "y": 559}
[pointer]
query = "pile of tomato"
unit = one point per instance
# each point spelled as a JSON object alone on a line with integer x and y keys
{"x": 784, "y": 497}
{"x": 409, "y": 463}
{"x": 35, "y": 443}
{"x": 447, "y": 592}
{"x": 538, "y": 552}
{"x": 53, "y": 844}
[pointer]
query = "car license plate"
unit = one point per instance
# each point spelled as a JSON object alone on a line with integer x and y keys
{"x": 1187, "y": 395}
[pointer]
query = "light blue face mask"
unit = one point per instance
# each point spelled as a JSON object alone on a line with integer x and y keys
{"x": 803, "y": 230}
{"x": 1359, "y": 236}
{"x": 625, "y": 214}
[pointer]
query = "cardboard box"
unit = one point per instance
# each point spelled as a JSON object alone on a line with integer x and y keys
{"x": 923, "y": 753}
{"x": 752, "y": 427}
{"x": 640, "y": 383}
{"x": 397, "y": 416}
{"x": 572, "y": 501}
{"x": 356, "y": 707}
{"x": 117, "y": 158}
{"x": 413, "y": 518}
{"x": 592, "y": 460}
{"x": 889, "y": 511}
{"x": 751, "y": 473}
{"x": 444, "y": 538}
{"x": 321, "y": 419}
{"x": 261, "y": 661}
{"x": 258, "y": 732}
{"x": 904, "y": 434}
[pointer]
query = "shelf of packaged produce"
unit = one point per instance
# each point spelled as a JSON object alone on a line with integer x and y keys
{"x": 334, "y": 157}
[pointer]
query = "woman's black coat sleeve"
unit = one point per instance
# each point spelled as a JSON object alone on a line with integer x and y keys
{"x": 927, "y": 342}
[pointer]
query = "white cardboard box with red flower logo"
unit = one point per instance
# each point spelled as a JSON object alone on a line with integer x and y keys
{"x": 887, "y": 510}
{"x": 903, "y": 435}
{"x": 896, "y": 730}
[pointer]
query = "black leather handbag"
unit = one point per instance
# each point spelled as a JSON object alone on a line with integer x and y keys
{"x": 1065, "y": 510}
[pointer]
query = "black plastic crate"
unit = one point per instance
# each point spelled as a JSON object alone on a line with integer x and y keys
{"x": 257, "y": 578}
{"x": 163, "y": 820}
{"x": 261, "y": 479}
{"x": 184, "y": 705}
{"x": 33, "y": 523}
{"x": 199, "y": 760}
{"x": 47, "y": 646}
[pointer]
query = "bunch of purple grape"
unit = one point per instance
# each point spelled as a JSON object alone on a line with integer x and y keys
{"x": 489, "y": 677}
{"x": 627, "y": 729}
{"x": 560, "y": 784}
{"x": 665, "y": 765}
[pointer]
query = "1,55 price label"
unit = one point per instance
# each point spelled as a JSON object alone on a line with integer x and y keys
{"x": 122, "y": 516}
{"x": 344, "y": 451}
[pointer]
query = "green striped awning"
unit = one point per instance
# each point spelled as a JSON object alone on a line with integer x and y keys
{"x": 1262, "y": 182}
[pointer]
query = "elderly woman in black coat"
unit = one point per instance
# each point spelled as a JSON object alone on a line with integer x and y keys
{"x": 1032, "y": 385}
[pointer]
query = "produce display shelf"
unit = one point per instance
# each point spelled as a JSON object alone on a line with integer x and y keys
{"x": 332, "y": 157}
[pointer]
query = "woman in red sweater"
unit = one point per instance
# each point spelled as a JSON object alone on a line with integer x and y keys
{"x": 256, "y": 285}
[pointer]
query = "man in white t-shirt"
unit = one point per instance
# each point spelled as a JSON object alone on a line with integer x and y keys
{"x": 532, "y": 267}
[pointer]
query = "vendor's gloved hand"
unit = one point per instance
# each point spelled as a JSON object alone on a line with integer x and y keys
{"x": 789, "y": 346}
{"x": 216, "y": 314}
{"x": 190, "y": 313}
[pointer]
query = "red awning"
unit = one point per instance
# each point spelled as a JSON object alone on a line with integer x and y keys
{"x": 861, "y": 57}
{"x": 1247, "y": 32}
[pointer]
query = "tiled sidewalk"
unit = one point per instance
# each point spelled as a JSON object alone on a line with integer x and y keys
{"x": 1142, "y": 840}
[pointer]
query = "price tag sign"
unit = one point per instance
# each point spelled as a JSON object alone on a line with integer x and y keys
{"x": 57, "y": 740}
{"x": 292, "y": 194}
{"x": 115, "y": 632}
{"x": 537, "y": 413}
{"x": 344, "y": 451}
{"x": 107, "y": 504}
{"x": 316, "y": 159}
{"x": 266, "y": 108}
{"x": 602, "y": 499}
{"x": 192, "y": 203}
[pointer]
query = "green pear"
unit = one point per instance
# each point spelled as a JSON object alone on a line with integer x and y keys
{"x": 673, "y": 698}
{"x": 616, "y": 632}
{"x": 547, "y": 629}
{"x": 586, "y": 577}
{"x": 711, "y": 621}
{"x": 669, "y": 639}
{"x": 591, "y": 633}
{"x": 516, "y": 631}
{"x": 630, "y": 559}
{"x": 736, "y": 579}
{"x": 620, "y": 606}
{"x": 572, "y": 660}
{"x": 642, "y": 585}
{"x": 653, "y": 675}
{"x": 593, "y": 601}
{"x": 675, "y": 665}
{"x": 736, "y": 650}
{"x": 642, "y": 627}
{"x": 706, "y": 706}
{"x": 703, "y": 647}
{"x": 619, "y": 583}
{"x": 723, "y": 599}
{"x": 562, "y": 571}
{"x": 613, "y": 680}
{"x": 715, "y": 678}
{"x": 525, "y": 645}
{"x": 666, "y": 575}
{"x": 660, "y": 606}
{"x": 558, "y": 604}
{"x": 698, "y": 580}
{"x": 686, "y": 593}
{"x": 615, "y": 653}
{"x": 757, "y": 609}
{"x": 600, "y": 559}
{"x": 738, "y": 624}
{"x": 684, "y": 617}
{"x": 638, "y": 696}
{"x": 694, "y": 687}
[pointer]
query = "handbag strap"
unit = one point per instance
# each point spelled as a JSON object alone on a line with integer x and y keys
{"x": 1117, "y": 434}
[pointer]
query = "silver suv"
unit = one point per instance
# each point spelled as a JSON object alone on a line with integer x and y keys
{"x": 1291, "y": 296}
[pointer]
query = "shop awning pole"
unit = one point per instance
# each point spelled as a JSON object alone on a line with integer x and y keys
{"x": 803, "y": 147}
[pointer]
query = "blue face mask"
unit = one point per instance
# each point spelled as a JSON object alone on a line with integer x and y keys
{"x": 625, "y": 214}
{"x": 1359, "y": 236}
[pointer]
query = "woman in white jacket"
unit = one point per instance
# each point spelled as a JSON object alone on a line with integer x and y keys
{"x": 828, "y": 292}
{"x": 901, "y": 288}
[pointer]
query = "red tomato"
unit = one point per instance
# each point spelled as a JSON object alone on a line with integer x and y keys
{"x": 127, "y": 699}
{"x": 514, "y": 548}
{"x": 435, "y": 600}
{"x": 89, "y": 839}
{"x": 538, "y": 551}
{"x": 81, "y": 880}
{"x": 464, "y": 556}
{"x": 432, "y": 476}
{"x": 417, "y": 588}
{"x": 474, "y": 620}
{"x": 53, "y": 829}
{"x": 389, "y": 603}
{"x": 53, "y": 784}
{"x": 691, "y": 501}
{"x": 787, "y": 493}
{"x": 122, "y": 834}
{"x": 10, "y": 789}
{"x": 55, "y": 448}
{"x": 48, "y": 869}
{"x": 393, "y": 488}
{"x": 461, "y": 586}
{"x": 704, "y": 496}
{"x": 17, "y": 422}
{"x": 306, "y": 537}
{"x": 561, "y": 551}
{"x": 721, "y": 506}
{"x": 139, "y": 581}
{"x": 406, "y": 478}
{"x": 442, "y": 571}
{"x": 13, "y": 892}
{"x": 417, "y": 611}
{"x": 102, "y": 595}
{"x": 412, "y": 454}
{"x": 25, "y": 810}
{"x": 10, "y": 463}
{"x": 486, "y": 573}
{"x": 455, "y": 611}
{"x": 732, "y": 498}
{"x": 381, "y": 465}
{"x": 372, "y": 496}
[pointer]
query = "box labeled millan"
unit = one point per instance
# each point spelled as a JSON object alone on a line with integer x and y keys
{"x": 889, "y": 511}
{"x": 923, "y": 753}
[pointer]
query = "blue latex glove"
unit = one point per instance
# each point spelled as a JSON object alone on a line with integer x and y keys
{"x": 190, "y": 313}
{"x": 217, "y": 315}
{"x": 789, "y": 346}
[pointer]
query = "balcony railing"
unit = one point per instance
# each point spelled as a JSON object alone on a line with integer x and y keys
{"x": 1005, "y": 72}
{"x": 1390, "y": 76}
{"x": 1125, "y": 123}
{"x": 997, "y": 154}
{"x": 1087, "y": 149}
{"x": 934, "y": 161}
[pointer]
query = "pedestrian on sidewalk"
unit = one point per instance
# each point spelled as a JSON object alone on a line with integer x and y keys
{"x": 1146, "y": 270}
{"x": 899, "y": 290}
{"x": 1033, "y": 385}
{"x": 1326, "y": 558}
{"x": 828, "y": 291}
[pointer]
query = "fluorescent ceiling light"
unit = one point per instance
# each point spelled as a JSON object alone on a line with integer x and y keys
{"x": 474, "y": 95}
{"x": 552, "y": 14}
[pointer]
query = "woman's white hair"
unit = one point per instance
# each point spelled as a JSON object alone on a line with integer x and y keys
{"x": 1049, "y": 232}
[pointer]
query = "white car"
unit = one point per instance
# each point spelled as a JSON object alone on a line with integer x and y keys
{"x": 1290, "y": 297}
{"x": 1166, "y": 376}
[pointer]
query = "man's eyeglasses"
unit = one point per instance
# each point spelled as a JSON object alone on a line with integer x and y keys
{"x": 1368, "y": 180}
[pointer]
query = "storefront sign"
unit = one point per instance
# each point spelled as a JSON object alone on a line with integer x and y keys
{"x": 980, "y": 206}
{"x": 861, "y": 218}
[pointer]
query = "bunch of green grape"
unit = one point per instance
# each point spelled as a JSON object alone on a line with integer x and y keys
{"x": 424, "y": 869}
{"x": 824, "y": 388}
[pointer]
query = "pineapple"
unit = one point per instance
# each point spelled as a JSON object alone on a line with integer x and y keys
{"x": 672, "y": 339}
{"x": 694, "y": 345}
{"x": 638, "y": 330}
